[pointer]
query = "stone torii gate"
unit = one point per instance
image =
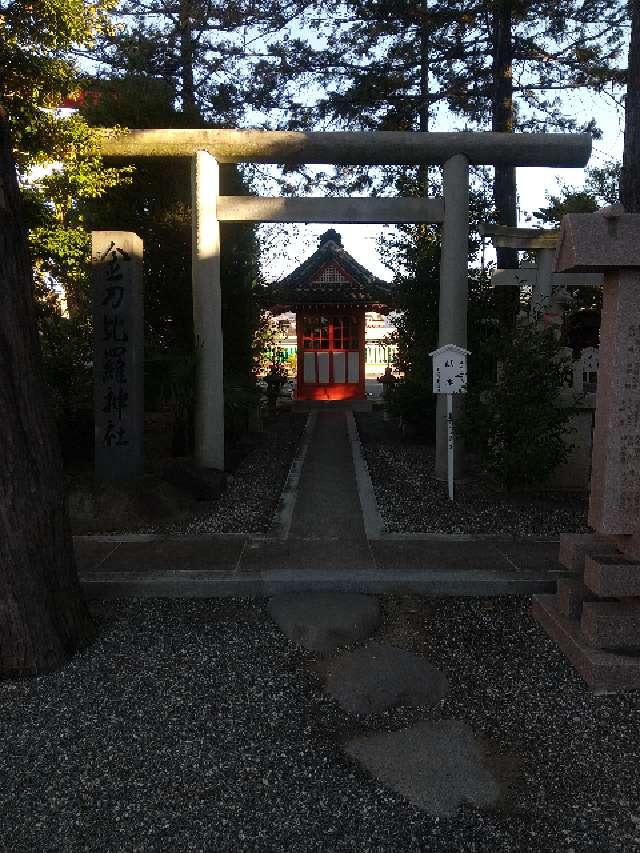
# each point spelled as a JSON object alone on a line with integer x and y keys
{"x": 548, "y": 287}
{"x": 454, "y": 151}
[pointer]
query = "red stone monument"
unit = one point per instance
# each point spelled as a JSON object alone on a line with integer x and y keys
{"x": 330, "y": 293}
{"x": 595, "y": 616}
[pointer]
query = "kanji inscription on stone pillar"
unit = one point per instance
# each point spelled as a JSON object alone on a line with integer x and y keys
{"x": 118, "y": 355}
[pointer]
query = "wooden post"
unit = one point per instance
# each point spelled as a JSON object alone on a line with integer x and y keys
{"x": 450, "y": 444}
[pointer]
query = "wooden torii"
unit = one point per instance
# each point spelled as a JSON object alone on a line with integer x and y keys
{"x": 454, "y": 151}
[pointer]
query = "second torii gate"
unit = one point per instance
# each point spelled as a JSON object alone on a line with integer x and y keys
{"x": 454, "y": 151}
{"x": 541, "y": 278}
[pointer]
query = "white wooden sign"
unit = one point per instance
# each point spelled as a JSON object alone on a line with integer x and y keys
{"x": 450, "y": 377}
{"x": 449, "y": 369}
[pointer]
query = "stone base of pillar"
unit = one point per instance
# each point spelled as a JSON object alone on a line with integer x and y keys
{"x": 604, "y": 672}
{"x": 595, "y": 617}
{"x": 575, "y": 547}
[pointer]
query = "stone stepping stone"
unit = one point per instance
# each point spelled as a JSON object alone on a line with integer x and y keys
{"x": 370, "y": 680}
{"x": 323, "y": 621}
{"x": 436, "y": 765}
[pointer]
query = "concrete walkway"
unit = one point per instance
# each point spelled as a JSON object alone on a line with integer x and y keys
{"x": 328, "y": 505}
{"x": 327, "y": 536}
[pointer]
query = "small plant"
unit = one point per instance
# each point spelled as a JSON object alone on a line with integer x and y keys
{"x": 275, "y": 379}
{"x": 413, "y": 401}
{"x": 241, "y": 402}
{"x": 518, "y": 425}
{"x": 170, "y": 381}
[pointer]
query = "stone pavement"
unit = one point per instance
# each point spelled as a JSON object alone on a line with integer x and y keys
{"x": 435, "y": 764}
{"x": 327, "y": 537}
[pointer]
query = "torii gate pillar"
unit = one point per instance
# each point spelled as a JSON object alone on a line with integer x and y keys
{"x": 452, "y": 322}
{"x": 207, "y": 312}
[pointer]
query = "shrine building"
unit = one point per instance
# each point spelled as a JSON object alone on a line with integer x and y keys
{"x": 329, "y": 293}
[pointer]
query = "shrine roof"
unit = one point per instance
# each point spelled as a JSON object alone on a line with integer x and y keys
{"x": 330, "y": 276}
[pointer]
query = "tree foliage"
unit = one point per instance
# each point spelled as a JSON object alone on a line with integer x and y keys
{"x": 59, "y": 167}
{"x": 224, "y": 57}
{"x": 518, "y": 425}
{"x": 414, "y": 252}
{"x": 386, "y": 61}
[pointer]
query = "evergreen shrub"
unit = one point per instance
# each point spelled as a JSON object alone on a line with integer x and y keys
{"x": 519, "y": 424}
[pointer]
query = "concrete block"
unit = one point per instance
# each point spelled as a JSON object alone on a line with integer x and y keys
{"x": 575, "y": 546}
{"x": 612, "y": 576}
{"x": 611, "y": 624}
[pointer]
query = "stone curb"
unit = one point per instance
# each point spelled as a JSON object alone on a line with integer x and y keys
{"x": 189, "y": 584}
{"x": 281, "y": 524}
{"x": 269, "y": 537}
{"x": 373, "y": 524}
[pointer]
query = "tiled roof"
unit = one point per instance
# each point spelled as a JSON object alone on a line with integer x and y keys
{"x": 317, "y": 280}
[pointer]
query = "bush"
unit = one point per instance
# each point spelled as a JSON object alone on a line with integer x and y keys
{"x": 413, "y": 400}
{"x": 66, "y": 347}
{"x": 241, "y": 401}
{"x": 518, "y": 425}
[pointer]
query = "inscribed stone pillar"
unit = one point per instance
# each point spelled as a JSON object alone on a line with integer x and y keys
{"x": 614, "y": 506}
{"x": 118, "y": 360}
{"x": 454, "y": 261}
{"x": 609, "y": 241}
{"x": 207, "y": 319}
{"x": 595, "y": 618}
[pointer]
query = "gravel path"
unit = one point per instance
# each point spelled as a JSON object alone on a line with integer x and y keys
{"x": 253, "y": 490}
{"x": 194, "y": 725}
{"x": 411, "y": 500}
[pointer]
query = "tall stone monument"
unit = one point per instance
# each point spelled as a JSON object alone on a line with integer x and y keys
{"x": 118, "y": 354}
{"x": 595, "y": 617}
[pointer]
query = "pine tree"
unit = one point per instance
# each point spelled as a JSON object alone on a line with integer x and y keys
{"x": 630, "y": 180}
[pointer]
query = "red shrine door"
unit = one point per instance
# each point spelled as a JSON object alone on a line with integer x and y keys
{"x": 330, "y": 356}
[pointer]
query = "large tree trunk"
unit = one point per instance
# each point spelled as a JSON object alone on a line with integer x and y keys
{"x": 630, "y": 179}
{"x": 504, "y": 188}
{"x": 187, "y": 84}
{"x": 423, "y": 110}
{"x": 43, "y": 618}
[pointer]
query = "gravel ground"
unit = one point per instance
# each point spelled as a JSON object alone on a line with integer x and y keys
{"x": 194, "y": 725}
{"x": 253, "y": 490}
{"x": 411, "y": 500}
